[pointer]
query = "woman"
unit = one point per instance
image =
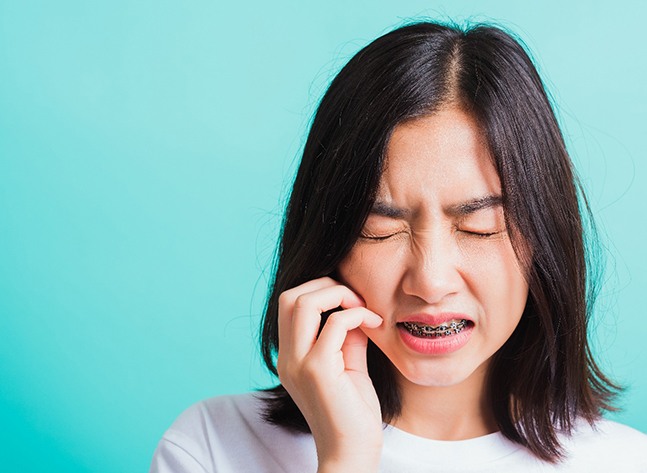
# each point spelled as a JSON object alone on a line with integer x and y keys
{"x": 431, "y": 295}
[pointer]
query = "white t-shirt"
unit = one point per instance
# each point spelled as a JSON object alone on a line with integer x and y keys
{"x": 228, "y": 435}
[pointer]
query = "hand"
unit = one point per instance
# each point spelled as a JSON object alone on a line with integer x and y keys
{"x": 327, "y": 376}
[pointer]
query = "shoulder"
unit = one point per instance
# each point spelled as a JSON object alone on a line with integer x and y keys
{"x": 606, "y": 432}
{"x": 220, "y": 413}
{"x": 607, "y": 444}
{"x": 229, "y": 433}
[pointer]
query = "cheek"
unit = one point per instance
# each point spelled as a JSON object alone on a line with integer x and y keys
{"x": 497, "y": 280}
{"x": 371, "y": 272}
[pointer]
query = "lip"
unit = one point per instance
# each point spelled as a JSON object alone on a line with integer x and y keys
{"x": 434, "y": 319}
{"x": 436, "y": 346}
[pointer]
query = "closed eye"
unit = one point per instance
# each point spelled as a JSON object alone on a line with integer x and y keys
{"x": 480, "y": 234}
{"x": 368, "y": 236}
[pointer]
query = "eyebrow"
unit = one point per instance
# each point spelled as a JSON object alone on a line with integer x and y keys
{"x": 474, "y": 205}
{"x": 383, "y": 209}
{"x": 462, "y": 209}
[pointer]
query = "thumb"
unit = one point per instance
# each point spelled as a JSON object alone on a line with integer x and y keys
{"x": 354, "y": 351}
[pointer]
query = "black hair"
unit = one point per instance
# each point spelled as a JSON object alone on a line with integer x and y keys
{"x": 544, "y": 376}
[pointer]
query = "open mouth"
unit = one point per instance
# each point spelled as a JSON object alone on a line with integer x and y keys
{"x": 447, "y": 329}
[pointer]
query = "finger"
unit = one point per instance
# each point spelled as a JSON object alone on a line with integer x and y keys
{"x": 354, "y": 351}
{"x": 286, "y": 307}
{"x": 334, "y": 334}
{"x": 306, "y": 315}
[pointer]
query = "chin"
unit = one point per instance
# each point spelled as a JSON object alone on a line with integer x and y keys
{"x": 439, "y": 375}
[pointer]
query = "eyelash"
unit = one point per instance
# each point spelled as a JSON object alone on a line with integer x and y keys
{"x": 479, "y": 234}
{"x": 377, "y": 238}
{"x": 386, "y": 237}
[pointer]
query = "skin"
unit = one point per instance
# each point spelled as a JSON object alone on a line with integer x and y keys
{"x": 435, "y": 243}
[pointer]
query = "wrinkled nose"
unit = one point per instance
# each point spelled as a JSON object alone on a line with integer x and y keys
{"x": 433, "y": 270}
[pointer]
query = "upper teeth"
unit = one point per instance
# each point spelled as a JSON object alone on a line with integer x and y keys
{"x": 451, "y": 326}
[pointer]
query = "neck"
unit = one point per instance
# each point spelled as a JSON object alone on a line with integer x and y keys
{"x": 456, "y": 412}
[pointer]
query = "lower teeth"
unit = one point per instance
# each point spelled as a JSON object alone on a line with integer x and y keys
{"x": 434, "y": 332}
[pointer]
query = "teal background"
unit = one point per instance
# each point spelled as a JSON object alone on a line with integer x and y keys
{"x": 146, "y": 148}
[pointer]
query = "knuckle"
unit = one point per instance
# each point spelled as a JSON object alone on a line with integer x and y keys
{"x": 337, "y": 319}
{"x": 286, "y": 298}
{"x": 303, "y": 301}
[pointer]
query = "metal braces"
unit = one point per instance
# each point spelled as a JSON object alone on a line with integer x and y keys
{"x": 431, "y": 331}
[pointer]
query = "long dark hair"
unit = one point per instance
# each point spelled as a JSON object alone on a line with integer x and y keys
{"x": 544, "y": 377}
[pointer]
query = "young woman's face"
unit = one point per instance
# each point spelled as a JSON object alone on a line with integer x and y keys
{"x": 434, "y": 259}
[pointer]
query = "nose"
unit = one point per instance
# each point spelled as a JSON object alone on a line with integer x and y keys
{"x": 433, "y": 269}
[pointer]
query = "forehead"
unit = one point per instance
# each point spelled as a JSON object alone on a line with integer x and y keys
{"x": 442, "y": 156}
